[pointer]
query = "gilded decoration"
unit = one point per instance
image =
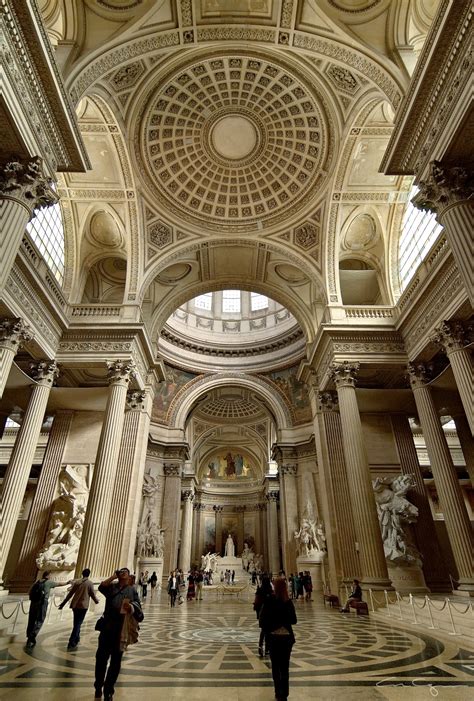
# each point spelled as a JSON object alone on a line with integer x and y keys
{"x": 201, "y": 170}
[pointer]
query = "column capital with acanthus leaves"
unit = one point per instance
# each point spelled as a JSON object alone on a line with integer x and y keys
{"x": 13, "y": 333}
{"x": 344, "y": 374}
{"x": 445, "y": 186}
{"x": 25, "y": 182}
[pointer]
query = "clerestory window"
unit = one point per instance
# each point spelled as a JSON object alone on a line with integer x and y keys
{"x": 47, "y": 232}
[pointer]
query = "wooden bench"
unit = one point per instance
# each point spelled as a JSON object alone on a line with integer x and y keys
{"x": 332, "y": 600}
{"x": 361, "y": 607}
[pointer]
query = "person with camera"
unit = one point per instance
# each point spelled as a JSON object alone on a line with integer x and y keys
{"x": 121, "y": 602}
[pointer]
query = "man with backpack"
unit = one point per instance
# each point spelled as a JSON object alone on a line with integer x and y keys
{"x": 39, "y": 598}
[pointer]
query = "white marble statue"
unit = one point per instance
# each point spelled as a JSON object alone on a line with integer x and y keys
{"x": 209, "y": 562}
{"x": 229, "y": 547}
{"x": 310, "y": 538}
{"x": 61, "y": 547}
{"x": 150, "y": 540}
{"x": 395, "y": 514}
{"x": 247, "y": 556}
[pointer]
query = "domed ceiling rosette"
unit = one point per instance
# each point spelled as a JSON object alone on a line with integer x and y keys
{"x": 232, "y": 141}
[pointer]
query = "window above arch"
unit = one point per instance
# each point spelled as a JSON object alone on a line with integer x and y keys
{"x": 47, "y": 232}
{"x": 419, "y": 232}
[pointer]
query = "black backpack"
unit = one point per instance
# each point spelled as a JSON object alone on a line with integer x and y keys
{"x": 37, "y": 592}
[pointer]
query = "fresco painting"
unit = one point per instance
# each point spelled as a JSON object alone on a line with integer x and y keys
{"x": 175, "y": 379}
{"x": 229, "y": 465}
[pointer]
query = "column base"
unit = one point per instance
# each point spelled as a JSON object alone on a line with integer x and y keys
{"x": 465, "y": 588}
{"x": 407, "y": 580}
{"x": 376, "y": 584}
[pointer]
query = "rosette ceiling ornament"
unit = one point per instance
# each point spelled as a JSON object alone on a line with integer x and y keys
{"x": 234, "y": 142}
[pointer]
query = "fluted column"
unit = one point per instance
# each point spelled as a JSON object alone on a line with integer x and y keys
{"x": 467, "y": 443}
{"x": 444, "y": 473}
{"x": 372, "y": 557}
{"x": 171, "y": 514}
{"x": 38, "y": 518}
{"x": 287, "y": 469}
{"x": 434, "y": 569}
{"x": 336, "y": 499}
{"x": 452, "y": 338}
{"x": 187, "y": 497}
{"x": 23, "y": 188}
{"x": 218, "y": 527}
{"x": 21, "y": 459}
{"x": 198, "y": 532}
{"x": 272, "y": 527}
{"x": 95, "y": 534}
{"x": 13, "y": 333}
{"x": 447, "y": 192}
{"x": 125, "y": 510}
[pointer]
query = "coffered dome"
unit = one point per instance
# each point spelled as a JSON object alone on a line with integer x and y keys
{"x": 233, "y": 140}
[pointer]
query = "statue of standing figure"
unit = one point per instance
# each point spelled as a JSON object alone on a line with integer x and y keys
{"x": 229, "y": 547}
{"x": 395, "y": 514}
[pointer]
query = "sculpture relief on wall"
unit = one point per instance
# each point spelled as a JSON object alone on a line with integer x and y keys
{"x": 150, "y": 536}
{"x": 310, "y": 538}
{"x": 60, "y": 550}
{"x": 395, "y": 514}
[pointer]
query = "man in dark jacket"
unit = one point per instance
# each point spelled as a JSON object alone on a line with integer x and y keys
{"x": 121, "y": 599}
{"x": 81, "y": 592}
{"x": 39, "y": 599}
{"x": 355, "y": 595}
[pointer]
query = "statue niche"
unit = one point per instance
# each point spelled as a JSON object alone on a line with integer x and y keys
{"x": 61, "y": 547}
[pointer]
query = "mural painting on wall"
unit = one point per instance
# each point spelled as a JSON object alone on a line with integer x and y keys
{"x": 249, "y": 532}
{"x": 210, "y": 534}
{"x": 175, "y": 379}
{"x": 229, "y": 465}
{"x": 295, "y": 391}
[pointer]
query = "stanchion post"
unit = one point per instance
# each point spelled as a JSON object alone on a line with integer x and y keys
{"x": 429, "y": 611}
{"x": 386, "y": 603}
{"x": 451, "y": 617}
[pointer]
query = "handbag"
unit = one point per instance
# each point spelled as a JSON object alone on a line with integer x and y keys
{"x": 100, "y": 623}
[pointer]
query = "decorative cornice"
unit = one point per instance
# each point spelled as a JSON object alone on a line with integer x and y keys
{"x": 25, "y": 182}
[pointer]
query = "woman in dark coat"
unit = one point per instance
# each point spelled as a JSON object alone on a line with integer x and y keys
{"x": 277, "y": 618}
{"x": 261, "y": 595}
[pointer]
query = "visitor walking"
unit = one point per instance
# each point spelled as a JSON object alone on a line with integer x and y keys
{"x": 81, "y": 592}
{"x": 173, "y": 586}
{"x": 276, "y": 620}
{"x": 261, "y": 595}
{"x": 153, "y": 582}
{"x": 39, "y": 599}
{"x": 121, "y": 614}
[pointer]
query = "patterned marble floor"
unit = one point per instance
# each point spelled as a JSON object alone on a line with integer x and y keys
{"x": 205, "y": 650}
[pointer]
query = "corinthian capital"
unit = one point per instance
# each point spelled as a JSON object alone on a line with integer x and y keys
{"x": 450, "y": 336}
{"x": 25, "y": 181}
{"x": 328, "y": 401}
{"x": 187, "y": 495}
{"x": 136, "y": 399}
{"x": 120, "y": 371}
{"x": 443, "y": 187}
{"x": 44, "y": 372}
{"x": 419, "y": 375}
{"x": 13, "y": 333}
{"x": 344, "y": 374}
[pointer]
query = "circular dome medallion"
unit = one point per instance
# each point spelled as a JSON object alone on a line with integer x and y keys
{"x": 232, "y": 140}
{"x": 234, "y": 137}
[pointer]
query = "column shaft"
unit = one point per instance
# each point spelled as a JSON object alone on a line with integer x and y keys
{"x": 458, "y": 222}
{"x": 171, "y": 517}
{"x": 19, "y": 465}
{"x": 288, "y": 515}
{"x": 467, "y": 444}
{"x": 35, "y": 534}
{"x": 372, "y": 558}
{"x": 434, "y": 569}
{"x": 461, "y": 365}
{"x": 186, "y": 533}
{"x": 447, "y": 484}
{"x": 14, "y": 218}
{"x": 13, "y": 332}
{"x": 273, "y": 545}
{"x": 95, "y": 533}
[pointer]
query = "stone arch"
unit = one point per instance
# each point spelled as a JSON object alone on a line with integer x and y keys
{"x": 184, "y": 400}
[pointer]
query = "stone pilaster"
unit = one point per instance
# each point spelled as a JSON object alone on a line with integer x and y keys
{"x": 444, "y": 473}
{"x": 23, "y": 188}
{"x": 288, "y": 468}
{"x": 272, "y": 529}
{"x": 95, "y": 534}
{"x": 452, "y": 338}
{"x": 35, "y": 533}
{"x": 13, "y": 333}
{"x": 21, "y": 459}
{"x": 434, "y": 569}
{"x": 171, "y": 514}
{"x": 372, "y": 557}
{"x": 125, "y": 510}
{"x": 198, "y": 532}
{"x": 448, "y": 192}
{"x": 335, "y": 494}
{"x": 187, "y": 497}
{"x": 467, "y": 443}
{"x": 218, "y": 512}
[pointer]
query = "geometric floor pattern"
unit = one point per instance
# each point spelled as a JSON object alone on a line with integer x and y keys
{"x": 208, "y": 650}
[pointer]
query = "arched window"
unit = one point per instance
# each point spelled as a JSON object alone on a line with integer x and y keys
{"x": 47, "y": 232}
{"x": 204, "y": 301}
{"x": 419, "y": 232}
{"x": 258, "y": 301}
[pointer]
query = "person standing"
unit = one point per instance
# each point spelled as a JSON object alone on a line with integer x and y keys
{"x": 199, "y": 583}
{"x": 39, "y": 599}
{"x": 153, "y": 582}
{"x": 121, "y": 600}
{"x": 277, "y": 618}
{"x": 191, "y": 587}
{"x": 144, "y": 584}
{"x": 81, "y": 592}
{"x": 261, "y": 595}
{"x": 173, "y": 584}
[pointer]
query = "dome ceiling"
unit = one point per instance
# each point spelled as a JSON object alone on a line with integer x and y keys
{"x": 230, "y": 405}
{"x": 232, "y": 140}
